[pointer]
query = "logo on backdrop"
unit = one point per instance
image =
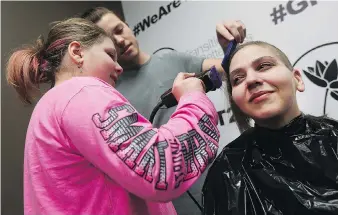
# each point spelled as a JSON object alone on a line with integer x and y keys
{"x": 153, "y": 19}
{"x": 292, "y": 7}
{"x": 319, "y": 65}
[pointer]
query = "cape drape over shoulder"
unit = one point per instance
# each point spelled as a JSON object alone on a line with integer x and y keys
{"x": 293, "y": 170}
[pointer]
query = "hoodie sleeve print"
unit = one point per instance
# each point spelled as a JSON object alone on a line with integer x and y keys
{"x": 157, "y": 164}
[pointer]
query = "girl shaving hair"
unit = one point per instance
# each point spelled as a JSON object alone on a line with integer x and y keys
{"x": 87, "y": 150}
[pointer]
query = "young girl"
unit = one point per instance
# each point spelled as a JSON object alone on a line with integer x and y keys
{"x": 287, "y": 162}
{"x": 87, "y": 150}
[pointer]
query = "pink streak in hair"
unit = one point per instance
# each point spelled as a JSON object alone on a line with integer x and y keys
{"x": 56, "y": 44}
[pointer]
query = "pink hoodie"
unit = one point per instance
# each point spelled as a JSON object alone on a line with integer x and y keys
{"x": 88, "y": 151}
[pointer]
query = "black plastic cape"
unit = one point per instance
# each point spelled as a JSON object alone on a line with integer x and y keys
{"x": 293, "y": 170}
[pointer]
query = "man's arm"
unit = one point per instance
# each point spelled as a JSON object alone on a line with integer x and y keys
{"x": 208, "y": 63}
{"x": 226, "y": 32}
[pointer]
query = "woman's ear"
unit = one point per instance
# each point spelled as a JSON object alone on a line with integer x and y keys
{"x": 76, "y": 53}
{"x": 298, "y": 80}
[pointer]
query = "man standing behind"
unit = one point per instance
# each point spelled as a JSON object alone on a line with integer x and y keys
{"x": 146, "y": 77}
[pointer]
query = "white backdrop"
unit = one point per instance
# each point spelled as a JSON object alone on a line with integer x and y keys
{"x": 190, "y": 27}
